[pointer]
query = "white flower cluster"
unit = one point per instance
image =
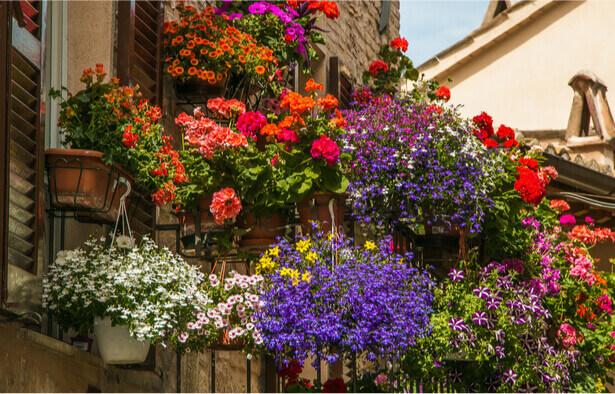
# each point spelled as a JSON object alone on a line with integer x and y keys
{"x": 142, "y": 286}
{"x": 237, "y": 302}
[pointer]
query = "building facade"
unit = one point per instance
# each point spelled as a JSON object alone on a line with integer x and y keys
{"x": 47, "y": 45}
{"x": 543, "y": 68}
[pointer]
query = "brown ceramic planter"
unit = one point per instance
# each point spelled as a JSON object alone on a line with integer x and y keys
{"x": 79, "y": 179}
{"x": 316, "y": 208}
{"x": 186, "y": 218}
{"x": 264, "y": 231}
{"x": 226, "y": 343}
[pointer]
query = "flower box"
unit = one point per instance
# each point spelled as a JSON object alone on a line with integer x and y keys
{"x": 261, "y": 231}
{"x": 79, "y": 180}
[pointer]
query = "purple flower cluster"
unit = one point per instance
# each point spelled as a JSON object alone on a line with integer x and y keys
{"x": 355, "y": 300}
{"x": 504, "y": 317}
{"x": 417, "y": 164}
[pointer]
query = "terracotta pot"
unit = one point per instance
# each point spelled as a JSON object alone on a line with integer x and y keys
{"x": 226, "y": 343}
{"x": 79, "y": 179}
{"x": 186, "y": 218}
{"x": 316, "y": 208}
{"x": 264, "y": 231}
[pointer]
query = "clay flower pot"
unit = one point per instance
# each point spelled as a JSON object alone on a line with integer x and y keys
{"x": 224, "y": 342}
{"x": 263, "y": 231}
{"x": 320, "y": 207}
{"x": 79, "y": 180}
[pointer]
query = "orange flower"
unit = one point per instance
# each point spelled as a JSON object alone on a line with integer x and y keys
{"x": 270, "y": 129}
{"x": 100, "y": 69}
{"x": 204, "y": 52}
{"x": 260, "y": 70}
{"x": 128, "y": 91}
{"x": 191, "y": 71}
{"x": 339, "y": 121}
{"x": 194, "y": 62}
{"x": 176, "y": 62}
{"x": 184, "y": 52}
{"x": 179, "y": 70}
{"x": 225, "y": 205}
{"x": 170, "y": 69}
{"x": 296, "y": 103}
{"x": 210, "y": 74}
{"x": 191, "y": 44}
{"x": 311, "y": 85}
{"x": 115, "y": 80}
{"x": 327, "y": 103}
{"x": 242, "y": 58}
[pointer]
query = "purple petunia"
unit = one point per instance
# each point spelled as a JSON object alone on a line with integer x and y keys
{"x": 456, "y": 324}
{"x": 482, "y": 292}
{"x": 510, "y": 377}
{"x": 479, "y": 318}
{"x": 456, "y": 275}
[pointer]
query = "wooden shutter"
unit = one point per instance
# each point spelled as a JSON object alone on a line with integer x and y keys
{"x": 23, "y": 78}
{"x": 339, "y": 84}
{"x": 139, "y": 46}
{"x": 140, "y": 53}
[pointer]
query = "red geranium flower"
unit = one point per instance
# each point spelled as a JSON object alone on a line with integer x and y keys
{"x": 225, "y": 205}
{"x": 378, "y": 66}
{"x": 400, "y": 43}
{"x": 485, "y": 124}
{"x": 443, "y": 93}
{"x": 530, "y": 163}
{"x": 530, "y": 186}
{"x": 505, "y": 132}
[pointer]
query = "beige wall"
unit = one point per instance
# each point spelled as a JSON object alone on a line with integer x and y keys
{"x": 522, "y": 80}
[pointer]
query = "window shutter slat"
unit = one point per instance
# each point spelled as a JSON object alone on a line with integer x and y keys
{"x": 25, "y": 150}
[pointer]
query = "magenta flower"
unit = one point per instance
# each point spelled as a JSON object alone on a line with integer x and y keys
{"x": 250, "y": 123}
{"x": 567, "y": 220}
{"x": 325, "y": 148}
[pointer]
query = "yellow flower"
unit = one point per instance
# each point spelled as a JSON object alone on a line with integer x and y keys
{"x": 331, "y": 236}
{"x": 303, "y": 245}
{"x": 295, "y": 281}
{"x": 306, "y": 277}
{"x": 274, "y": 252}
{"x": 265, "y": 265}
{"x": 599, "y": 386}
{"x": 311, "y": 257}
{"x": 369, "y": 245}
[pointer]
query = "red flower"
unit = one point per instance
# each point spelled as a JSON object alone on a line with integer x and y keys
{"x": 511, "y": 143}
{"x": 329, "y": 8}
{"x": 225, "y": 205}
{"x": 334, "y": 386}
{"x": 485, "y": 124}
{"x": 130, "y": 139}
{"x": 378, "y": 66}
{"x": 400, "y": 43}
{"x": 530, "y": 186}
{"x": 165, "y": 194}
{"x": 325, "y": 148}
{"x": 530, "y": 163}
{"x": 291, "y": 371}
{"x": 489, "y": 143}
{"x": 505, "y": 132}
{"x": 434, "y": 108}
{"x": 443, "y": 93}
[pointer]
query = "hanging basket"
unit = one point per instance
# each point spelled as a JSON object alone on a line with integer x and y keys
{"x": 262, "y": 231}
{"x": 115, "y": 344}
{"x": 326, "y": 208}
{"x": 80, "y": 181}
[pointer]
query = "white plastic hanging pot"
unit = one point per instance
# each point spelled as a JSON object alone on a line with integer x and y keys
{"x": 115, "y": 344}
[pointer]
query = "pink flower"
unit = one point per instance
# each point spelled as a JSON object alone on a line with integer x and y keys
{"x": 225, "y": 205}
{"x": 250, "y": 123}
{"x": 568, "y": 334}
{"x": 325, "y": 148}
{"x": 567, "y": 220}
